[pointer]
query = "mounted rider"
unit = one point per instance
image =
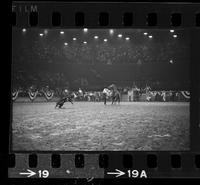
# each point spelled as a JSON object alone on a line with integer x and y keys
{"x": 116, "y": 97}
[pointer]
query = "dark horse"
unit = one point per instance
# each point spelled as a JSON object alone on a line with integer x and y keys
{"x": 115, "y": 96}
{"x": 64, "y": 99}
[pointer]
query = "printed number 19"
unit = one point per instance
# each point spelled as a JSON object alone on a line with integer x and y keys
{"x": 43, "y": 173}
{"x": 133, "y": 173}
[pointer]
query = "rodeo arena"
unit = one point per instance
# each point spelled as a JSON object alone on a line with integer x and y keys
{"x": 100, "y": 90}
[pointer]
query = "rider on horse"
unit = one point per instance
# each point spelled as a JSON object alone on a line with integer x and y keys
{"x": 115, "y": 93}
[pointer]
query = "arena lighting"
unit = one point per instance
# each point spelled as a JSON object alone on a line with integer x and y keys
{"x": 24, "y": 30}
{"x": 111, "y": 31}
{"x": 74, "y": 38}
{"x": 105, "y": 40}
{"x": 96, "y": 37}
{"x": 120, "y": 35}
{"x": 174, "y": 36}
{"x": 41, "y": 34}
{"x": 171, "y": 61}
{"x": 65, "y": 43}
{"x": 62, "y": 32}
{"x": 150, "y": 36}
{"x": 172, "y": 31}
{"x": 127, "y": 38}
{"x": 84, "y": 42}
{"x": 145, "y": 33}
{"x": 85, "y": 30}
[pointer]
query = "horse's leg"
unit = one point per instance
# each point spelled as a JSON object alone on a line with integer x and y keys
{"x": 58, "y": 103}
{"x": 104, "y": 99}
{"x": 114, "y": 100}
{"x": 118, "y": 99}
{"x": 70, "y": 100}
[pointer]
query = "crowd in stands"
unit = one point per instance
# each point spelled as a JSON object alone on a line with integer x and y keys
{"x": 137, "y": 50}
{"x": 139, "y": 53}
{"x": 42, "y": 53}
{"x": 53, "y": 80}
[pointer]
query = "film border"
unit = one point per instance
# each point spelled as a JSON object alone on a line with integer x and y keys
{"x": 112, "y": 17}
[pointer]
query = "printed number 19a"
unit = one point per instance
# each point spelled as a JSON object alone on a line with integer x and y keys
{"x": 137, "y": 174}
{"x": 43, "y": 173}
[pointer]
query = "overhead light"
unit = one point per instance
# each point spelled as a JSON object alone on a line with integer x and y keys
{"x": 174, "y": 36}
{"x": 127, "y": 38}
{"x": 62, "y": 32}
{"x": 84, "y": 42}
{"x": 145, "y": 33}
{"x": 96, "y": 37}
{"x": 24, "y": 30}
{"x": 171, "y": 61}
{"x": 74, "y": 38}
{"x": 41, "y": 34}
{"x": 111, "y": 31}
{"x": 85, "y": 30}
{"x": 105, "y": 40}
{"x": 172, "y": 31}
{"x": 45, "y": 32}
{"x": 65, "y": 43}
{"x": 119, "y": 35}
{"x": 150, "y": 36}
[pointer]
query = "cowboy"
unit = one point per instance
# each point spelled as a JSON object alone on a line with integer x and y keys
{"x": 105, "y": 94}
{"x": 68, "y": 97}
{"x": 61, "y": 102}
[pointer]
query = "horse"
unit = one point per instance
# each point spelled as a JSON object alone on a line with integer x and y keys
{"x": 115, "y": 95}
{"x": 62, "y": 100}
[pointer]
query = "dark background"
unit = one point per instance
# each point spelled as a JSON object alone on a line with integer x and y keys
{"x": 45, "y": 60}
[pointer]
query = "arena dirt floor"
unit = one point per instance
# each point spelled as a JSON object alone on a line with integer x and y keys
{"x": 91, "y": 126}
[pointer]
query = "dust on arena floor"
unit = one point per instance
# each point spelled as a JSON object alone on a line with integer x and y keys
{"x": 91, "y": 126}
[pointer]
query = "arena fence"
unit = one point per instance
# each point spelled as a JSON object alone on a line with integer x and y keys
{"x": 51, "y": 96}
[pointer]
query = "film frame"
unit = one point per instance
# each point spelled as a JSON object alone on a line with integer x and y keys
{"x": 115, "y": 15}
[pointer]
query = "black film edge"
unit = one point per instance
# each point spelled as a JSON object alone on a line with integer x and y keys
{"x": 149, "y": 53}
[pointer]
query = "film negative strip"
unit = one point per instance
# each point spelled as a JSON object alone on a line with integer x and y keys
{"x": 105, "y": 90}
